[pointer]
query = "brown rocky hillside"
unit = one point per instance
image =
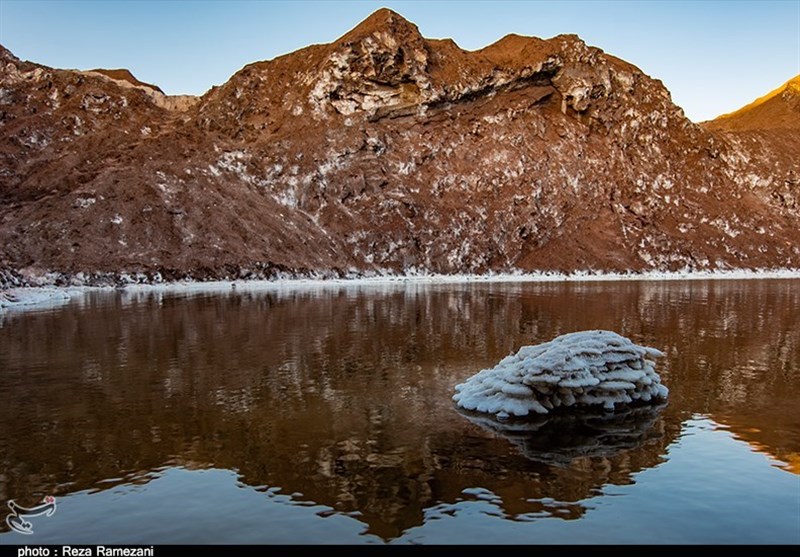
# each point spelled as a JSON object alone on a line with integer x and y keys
{"x": 385, "y": 152}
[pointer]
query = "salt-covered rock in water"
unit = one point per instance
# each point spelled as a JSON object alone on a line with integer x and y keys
{"x": 583, "y": 369}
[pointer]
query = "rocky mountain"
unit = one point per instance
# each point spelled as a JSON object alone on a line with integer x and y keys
{"x": 385, "y": 152}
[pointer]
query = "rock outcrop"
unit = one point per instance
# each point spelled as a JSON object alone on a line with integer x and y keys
{"x": 384, "y": 152}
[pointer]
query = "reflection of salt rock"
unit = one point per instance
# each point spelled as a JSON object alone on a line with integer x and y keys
{"x": 583, "y": 369}
{"x": 560, "y": 438}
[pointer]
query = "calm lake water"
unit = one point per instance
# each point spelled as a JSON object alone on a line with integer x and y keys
{"x": 324, "y": 415}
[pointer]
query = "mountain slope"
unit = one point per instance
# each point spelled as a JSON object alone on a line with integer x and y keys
{"x": 778, "y": 109}
{"x": 765, "y": 134}
{"x": 382, "y": 152}
{"x": 122, "y": 74}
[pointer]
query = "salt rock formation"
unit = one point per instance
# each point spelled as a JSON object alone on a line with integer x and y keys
{"x": 582, "y": 369}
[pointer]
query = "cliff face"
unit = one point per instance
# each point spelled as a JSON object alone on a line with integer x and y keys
{"x": 385, "y": 151}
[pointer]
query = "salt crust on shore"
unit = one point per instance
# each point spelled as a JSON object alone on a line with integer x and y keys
{"x": 28, "y": 297}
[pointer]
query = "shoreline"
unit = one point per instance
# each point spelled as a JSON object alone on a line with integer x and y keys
{"x": 24, "y": 297}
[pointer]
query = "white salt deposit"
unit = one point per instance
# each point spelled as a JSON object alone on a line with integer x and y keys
{"x": 583, "y": 369}
{"x": 19, "y": 297}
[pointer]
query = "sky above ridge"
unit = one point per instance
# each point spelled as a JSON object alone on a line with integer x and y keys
{"x": 714, "y": 56}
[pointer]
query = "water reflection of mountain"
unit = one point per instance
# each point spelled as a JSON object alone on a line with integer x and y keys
{"x": 343, "y": 395}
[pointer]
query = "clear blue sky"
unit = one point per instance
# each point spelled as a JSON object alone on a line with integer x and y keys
{"x": 714, "y": 56}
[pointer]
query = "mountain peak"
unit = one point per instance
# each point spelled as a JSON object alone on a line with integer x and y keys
{"x": 382, "y": 21}
{"x": 7, "y": 55}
